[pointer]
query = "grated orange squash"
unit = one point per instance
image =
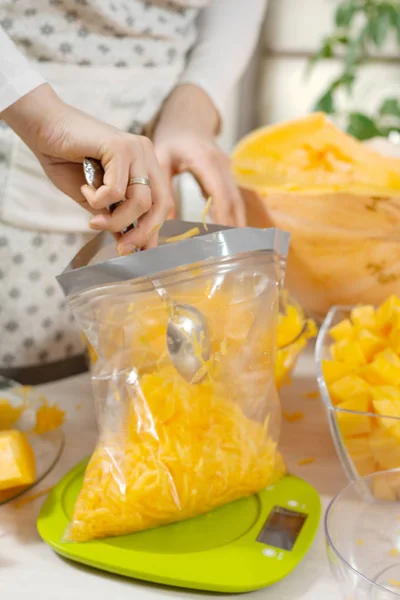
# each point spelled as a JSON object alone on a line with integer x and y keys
{"x": 293, "y": 417}
{"x": 302, "y": 462}
{"x": 186, "y": 450}
{"x": 183, "y": 236}
{"x": 205, "y": 212}
{"x": 48, "y": 418}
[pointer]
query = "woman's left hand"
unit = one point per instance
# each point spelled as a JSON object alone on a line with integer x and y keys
{"x": 184, "y": 142}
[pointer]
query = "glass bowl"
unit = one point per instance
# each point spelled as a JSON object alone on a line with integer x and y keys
{"x": 362, "y": 530}
{"x": 365, "y": 441}
{"x": 290, "y": 343}
{"x": 344, "y": 249}
{"x": 47, "y": 447}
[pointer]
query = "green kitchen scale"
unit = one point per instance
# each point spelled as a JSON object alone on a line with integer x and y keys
{"x": 244, "y": 546}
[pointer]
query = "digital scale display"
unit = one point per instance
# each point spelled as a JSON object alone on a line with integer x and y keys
{"x": 282, "y": 528}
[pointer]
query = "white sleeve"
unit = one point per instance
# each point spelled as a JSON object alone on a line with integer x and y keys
{"x": 17, "y": 77}
{"x": 228, "y": 34}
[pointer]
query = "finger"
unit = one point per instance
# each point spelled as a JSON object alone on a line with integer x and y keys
{"x": 152, "y": 242}
{"x": 137, "y": 199}
{"x": 126, "y": 213}
{"x": 87, "y": 195}
{"x": 214, "y": 177}
{"x": 146, "y": 233}
{"x": 116, "y": 174}
{"x": 167, "y": 170}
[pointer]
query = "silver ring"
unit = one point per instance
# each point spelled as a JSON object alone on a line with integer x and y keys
{"x": 140, "y": 181}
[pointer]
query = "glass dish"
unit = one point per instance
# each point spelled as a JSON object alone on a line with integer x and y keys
{"x": 47, "y": 447}
{"x": 375, "y": 444}
{"x": 362, "y": 531}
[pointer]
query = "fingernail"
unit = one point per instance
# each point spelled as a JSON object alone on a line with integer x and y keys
{"x": 94, "y": 226}
{"x": 98, "y": 222}
{"x": 125, "y": 250}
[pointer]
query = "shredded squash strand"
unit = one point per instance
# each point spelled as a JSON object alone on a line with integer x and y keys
{"x": 183, "y": 236}
{"x": 196, "y": 451}
{"x": 205, "y": 212}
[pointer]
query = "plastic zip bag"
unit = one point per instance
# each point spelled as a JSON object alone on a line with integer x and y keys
{"x": 168, "y": 449}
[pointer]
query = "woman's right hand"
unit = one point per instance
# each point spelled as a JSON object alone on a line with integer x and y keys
{"x": 62, "y": 136}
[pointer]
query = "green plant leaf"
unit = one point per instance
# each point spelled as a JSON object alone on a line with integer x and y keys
{"x": 380, "y": 26}
{"x": 347, "y": 80}
{"x": 362, "y": 127}
{"x": 390, "y": 107}
{"x": 342, "y": 39}
{"x": 326, "y": 103}
{"x": 396, "y": 23}
{"x": 393, "y": 15}
{"x": 344, "y": 13}
{"x": 326, "y": 51}
{"x": 355, "y": 51}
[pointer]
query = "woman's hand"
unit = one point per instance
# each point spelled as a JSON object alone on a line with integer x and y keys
{"x": 61, "y": 137}
{"x": 184, "y": 141}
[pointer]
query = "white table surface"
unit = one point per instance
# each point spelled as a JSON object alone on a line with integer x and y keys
{"x": 29, "y": 568}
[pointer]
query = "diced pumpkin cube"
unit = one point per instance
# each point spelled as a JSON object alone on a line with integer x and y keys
{"x": 363, "y": 317}
{"x": 337, "y": 349}
{"x": 17, "y": 460}
{"x": 9, "y": 414}
{"x": 386, "y": 403}
{"x": 333, "y": 370}
{"x": 342, "y": 331}
{"x": 389, "y": 356}
{"x": 349, "y": 352}
{"x": 48, "y": 418}
{"x": 387, "y": 408}
{"x": 389, "y": 372}
{"x": 386, "y": 311}
{"x": 394, "y": 339}
{"x": 385, "y": 392}
{"x": 372, "y": 375}
{"x": 382, "y": 370}
{"x": 358, "y": 445}
{"x": 370, "y": 343}
{"x": 382, "y": 489}
{"x": 385, "y": 449}
{"x": 289, "y": 325}
{"x": 360, "y": 454}
{"x": 351, "y": 388}
{"x": 354, "y": 422}
{"x": 364, "y": 464}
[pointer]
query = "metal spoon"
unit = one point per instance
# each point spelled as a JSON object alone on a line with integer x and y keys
{"x": 188, "y": 336}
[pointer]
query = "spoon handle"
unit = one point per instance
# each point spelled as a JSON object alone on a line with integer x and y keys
{"x": 94, "y": 175}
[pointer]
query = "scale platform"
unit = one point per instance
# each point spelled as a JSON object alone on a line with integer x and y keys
{"x": 244, "y": 546}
